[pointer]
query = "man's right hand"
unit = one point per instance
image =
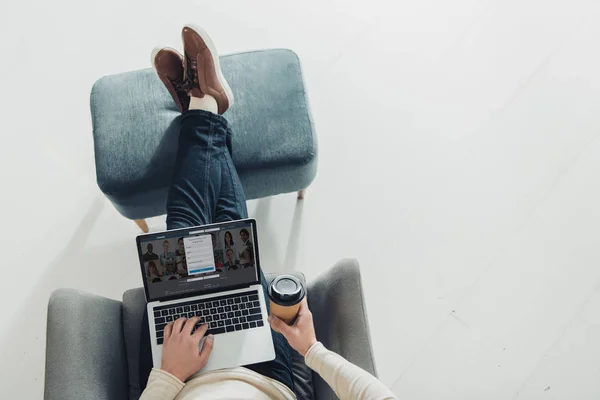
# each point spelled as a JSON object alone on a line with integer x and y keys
{"x": 180, "y": 355}
{"x": 301, "y": 336}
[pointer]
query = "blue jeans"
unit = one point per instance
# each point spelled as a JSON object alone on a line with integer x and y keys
{"x": 206, "y": 188}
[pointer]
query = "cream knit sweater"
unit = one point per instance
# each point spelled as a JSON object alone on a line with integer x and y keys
{"x": 346, "y": 379}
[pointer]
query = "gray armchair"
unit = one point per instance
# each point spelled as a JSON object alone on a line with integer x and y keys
{"x": 93, "y": 343}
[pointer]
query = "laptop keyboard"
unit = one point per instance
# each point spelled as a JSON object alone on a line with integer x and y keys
{"x": 229, "y": 313}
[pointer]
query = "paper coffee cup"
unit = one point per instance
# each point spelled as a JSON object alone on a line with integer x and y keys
{"x": 285, "y": 294}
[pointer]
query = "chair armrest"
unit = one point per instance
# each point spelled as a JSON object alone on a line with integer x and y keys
{"x": 336, "y": 300}
{"x": 85, "y": 351}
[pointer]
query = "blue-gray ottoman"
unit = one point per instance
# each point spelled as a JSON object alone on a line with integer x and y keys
{"x": 135, "y": 127}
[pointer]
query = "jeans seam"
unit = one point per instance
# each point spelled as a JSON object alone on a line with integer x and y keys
{"x": 208, "y": 160}
{"x": 235, "y": 185}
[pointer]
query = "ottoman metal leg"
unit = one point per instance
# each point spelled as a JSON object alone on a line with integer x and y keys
{"x": 142, "y": 224}
{"x": 301, "y": 194}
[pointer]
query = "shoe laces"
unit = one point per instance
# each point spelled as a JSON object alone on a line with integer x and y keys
{"x": 183, "y": 85}
{"x": 190, "y": 79}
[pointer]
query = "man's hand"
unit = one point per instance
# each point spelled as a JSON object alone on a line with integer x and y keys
{"x": 301, "y": 336}
{"x": 180, "y": 355}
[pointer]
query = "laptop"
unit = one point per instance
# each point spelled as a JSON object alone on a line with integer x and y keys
{"x": 213, "y": 272}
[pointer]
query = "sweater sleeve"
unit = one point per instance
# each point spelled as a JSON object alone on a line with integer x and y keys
{"x": 161, "y": 386}
{"x": 346, "y": 379}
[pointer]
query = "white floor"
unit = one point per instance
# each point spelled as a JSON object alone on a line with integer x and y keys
{"x": 459, "y": 162}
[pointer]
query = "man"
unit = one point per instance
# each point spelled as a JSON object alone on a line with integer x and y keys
{"x": 232, "y": 263}
{"x": 247, "y": 257}
{"x": 167, "y": 259}
{"x": 149, "y": 255}
{"x": 180, "y": 252}
{"x": 206, "y": 188}
{"x": 245, "y": 236}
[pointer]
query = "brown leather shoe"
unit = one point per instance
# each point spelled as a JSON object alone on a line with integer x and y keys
{"x": 202, "y": 70}
{"x": 168, "y": 64}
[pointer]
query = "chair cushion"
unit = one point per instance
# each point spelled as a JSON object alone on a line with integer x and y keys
{"x": 135, "y": 127}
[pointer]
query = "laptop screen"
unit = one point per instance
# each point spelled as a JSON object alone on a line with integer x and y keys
{"x": 201, "y": 259}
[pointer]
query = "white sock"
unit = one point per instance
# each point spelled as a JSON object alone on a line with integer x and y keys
{"x": 206, "y": 103}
